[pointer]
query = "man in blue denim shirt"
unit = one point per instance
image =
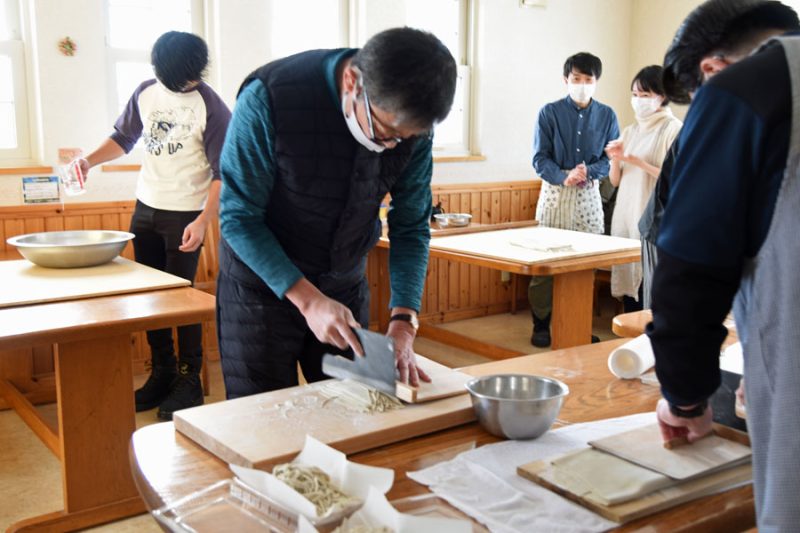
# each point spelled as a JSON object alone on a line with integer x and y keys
{"x": 568, "y": 154}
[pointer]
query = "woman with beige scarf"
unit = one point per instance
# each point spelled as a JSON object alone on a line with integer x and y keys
{"x": 636, "y": 160}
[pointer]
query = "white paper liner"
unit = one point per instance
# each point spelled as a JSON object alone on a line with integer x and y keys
{"x": 353, "y": 479}
{"x": 378, "y": 512}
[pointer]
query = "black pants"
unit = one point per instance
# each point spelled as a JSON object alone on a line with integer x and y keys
{"x": 629, "y": 305}
{"x": 159, "y": 233}
{"x": 263, "y": 338}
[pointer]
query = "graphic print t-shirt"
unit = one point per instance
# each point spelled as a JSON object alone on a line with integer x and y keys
{"x": 182, "y": 136}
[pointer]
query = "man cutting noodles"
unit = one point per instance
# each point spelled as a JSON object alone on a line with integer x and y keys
{"x": 316, "y": 141}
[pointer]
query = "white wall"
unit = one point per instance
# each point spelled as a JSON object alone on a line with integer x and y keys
{"x": 654, "y": 24}
{"x": 520, "y": 53}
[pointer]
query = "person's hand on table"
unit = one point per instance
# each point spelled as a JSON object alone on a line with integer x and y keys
{"x": 403, "y": 334}
{"x": 675, "y": 427}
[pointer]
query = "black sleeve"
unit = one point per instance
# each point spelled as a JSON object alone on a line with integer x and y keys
{"x": 690, "y": 302}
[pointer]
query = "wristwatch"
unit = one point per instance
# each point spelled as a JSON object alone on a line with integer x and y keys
{"x": 407, "y": 317}
{"x": 694, "y": 412}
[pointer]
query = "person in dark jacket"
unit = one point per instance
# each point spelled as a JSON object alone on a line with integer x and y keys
{"x": 728, "y": 235}
{"x": 316, "y": 141}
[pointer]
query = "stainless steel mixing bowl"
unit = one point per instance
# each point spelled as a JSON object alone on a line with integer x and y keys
{"x": 453, "y": 220}
{"x": 71, "y": 249}
{"x": 516, "y": 406}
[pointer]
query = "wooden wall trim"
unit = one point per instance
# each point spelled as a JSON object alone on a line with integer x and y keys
{"x": 535, "y": 184}
{"x": 25, "y": 170}
{"x": 56, "y": 209}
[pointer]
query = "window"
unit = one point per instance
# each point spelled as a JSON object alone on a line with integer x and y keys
{"x": 133, "y": 27}
{"x": 14, "y": 133}
{"x": 450, "y": 21}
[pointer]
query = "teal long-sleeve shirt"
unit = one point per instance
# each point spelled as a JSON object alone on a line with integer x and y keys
{"x": 249, "y": 172}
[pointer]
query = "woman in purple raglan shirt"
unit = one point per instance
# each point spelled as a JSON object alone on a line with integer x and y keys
{"x": 182, "y": 123}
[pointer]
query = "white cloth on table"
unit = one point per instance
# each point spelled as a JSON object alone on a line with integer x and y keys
{"x": 484, "y": 484}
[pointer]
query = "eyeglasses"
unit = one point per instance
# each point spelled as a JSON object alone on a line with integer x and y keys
{"x": 371, "y": 118}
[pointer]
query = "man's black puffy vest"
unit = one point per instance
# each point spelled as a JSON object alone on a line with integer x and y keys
{"x": 324, "y": 205}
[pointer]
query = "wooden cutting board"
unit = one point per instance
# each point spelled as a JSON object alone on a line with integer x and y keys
{"x": 25, "y": 283}
{"x": 445, "y": 382}
{"x": 262, "y": 430}
{"x": 643, "y": 446}
{"x": 541, "y": 472}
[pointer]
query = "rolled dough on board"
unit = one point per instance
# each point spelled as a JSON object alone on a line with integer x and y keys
{"x": 604, "y": 478}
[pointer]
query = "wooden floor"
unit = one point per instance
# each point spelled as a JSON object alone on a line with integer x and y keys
{"x": 30, "y": 474}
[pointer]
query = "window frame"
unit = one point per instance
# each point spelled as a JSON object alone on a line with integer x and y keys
{"x": 14, "y": 48}
{"x": 126, "y": 55}
{"x": 465, "y": 69}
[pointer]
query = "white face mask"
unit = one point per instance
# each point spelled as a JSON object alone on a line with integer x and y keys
{"x": 355, "y": 128}
{"x": 643, "y": 107}
{"x": 581, "y": 92}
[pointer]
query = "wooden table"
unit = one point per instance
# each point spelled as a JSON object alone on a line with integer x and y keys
{"x": 633, "y": 324}
{"x": 94, "y": 386}
{"x": 167, "y": 465}
{"x": 573, "y": 280}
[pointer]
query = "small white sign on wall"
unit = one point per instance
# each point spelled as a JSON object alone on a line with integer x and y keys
{"x": 38, "y": 190}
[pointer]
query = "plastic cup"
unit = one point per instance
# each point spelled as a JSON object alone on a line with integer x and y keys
{"x": 72, "y": 178}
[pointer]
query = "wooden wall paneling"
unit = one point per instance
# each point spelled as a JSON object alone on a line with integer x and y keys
{"x": 92, "y": 222}
{"x": 14, "y": 227}
{"x": 444, "y": 284}
{"x": 453, "y": 292}
{"x": 54, "y": 224}
{"x": 34, "y": 225}
{"x": 475, "y": 205}
{"x": 486, "y": 208}
{"x": 73, "y": 222}
{"x": 431, "y": 297}
{"x": 505, "y": 206}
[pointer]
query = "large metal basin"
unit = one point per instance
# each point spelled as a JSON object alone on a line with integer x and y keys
{"x": 516, "y": 406}
{"x": 71, "y": 249}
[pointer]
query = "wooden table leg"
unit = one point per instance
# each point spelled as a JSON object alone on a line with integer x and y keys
{"x": 96, "y": 419}
{"x": 571, "y": 323}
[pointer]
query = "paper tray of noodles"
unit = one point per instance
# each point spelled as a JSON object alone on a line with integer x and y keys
{"x": 320, "y": 484}
{"x": 379, "y": 516}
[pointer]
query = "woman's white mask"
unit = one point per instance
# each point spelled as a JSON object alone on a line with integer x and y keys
{"x": 355, "y": 128}
{"x": 643, "y": 107}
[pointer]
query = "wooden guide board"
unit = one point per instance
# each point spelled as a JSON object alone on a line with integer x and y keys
{"x": 25, "y": 283}
{"x": 542, "y": 473}
{"x": 262, "y": 430}
{"x": 521, "y": 244}
{"x": 445, "y": 382}
{"x": 643, "y": 446}
{"x": 681, "y": 491}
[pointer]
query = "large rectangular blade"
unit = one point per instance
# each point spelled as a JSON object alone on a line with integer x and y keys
{"x": 376, "y": 369}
